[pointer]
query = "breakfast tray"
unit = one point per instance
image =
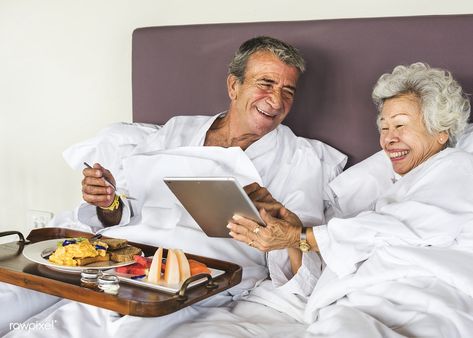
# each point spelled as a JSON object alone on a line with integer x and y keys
{"x": 130, "y": 300}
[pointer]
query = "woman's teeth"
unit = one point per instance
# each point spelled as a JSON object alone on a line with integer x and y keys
{"x": 398, "y": 154}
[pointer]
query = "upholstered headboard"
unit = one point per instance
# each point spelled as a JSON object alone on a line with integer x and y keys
{"x": 181, "y": 70}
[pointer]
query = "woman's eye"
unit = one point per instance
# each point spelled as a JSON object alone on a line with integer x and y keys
{"x": 399, "y": 126}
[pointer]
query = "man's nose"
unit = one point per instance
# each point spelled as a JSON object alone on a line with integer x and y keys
{"x": 275, "y": 99}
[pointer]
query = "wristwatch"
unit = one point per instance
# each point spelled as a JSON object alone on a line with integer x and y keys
{"x": 304, "y": 246}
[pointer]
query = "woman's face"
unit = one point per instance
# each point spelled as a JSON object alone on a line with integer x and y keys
{"x": 403, "y": 135}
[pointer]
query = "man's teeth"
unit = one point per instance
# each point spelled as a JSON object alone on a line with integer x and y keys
{"x": 264, "y": 113}
{"x": 398, "y": 154}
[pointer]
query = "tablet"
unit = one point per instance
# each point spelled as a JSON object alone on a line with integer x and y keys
{"x": 212, "y": 201}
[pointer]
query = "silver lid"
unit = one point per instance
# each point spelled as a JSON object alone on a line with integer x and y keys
{"x": 89, "y": 273}
{"x": 108, "y": 279}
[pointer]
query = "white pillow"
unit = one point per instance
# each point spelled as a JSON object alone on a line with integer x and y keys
{"x": 465, "y": 142}
{"x": 109, "y": 146}
{"x": 357, "y": 188}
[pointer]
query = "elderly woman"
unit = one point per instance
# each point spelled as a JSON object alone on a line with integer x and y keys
{"x": 404, "y": 267}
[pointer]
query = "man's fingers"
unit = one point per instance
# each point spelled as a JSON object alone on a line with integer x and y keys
{"x": 271, "y": 207}
{"x": 250, "y": 188}
{"x": 97, "y": 190}
{"x": 98, "y": 200}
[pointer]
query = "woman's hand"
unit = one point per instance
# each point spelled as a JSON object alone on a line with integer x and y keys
{"x": 280, "y": 232}
{"x": 95, "y": 190}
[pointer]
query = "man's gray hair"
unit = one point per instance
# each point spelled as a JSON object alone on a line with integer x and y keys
{"x": 444, "y": 106}
{"x": 285, "y": 52}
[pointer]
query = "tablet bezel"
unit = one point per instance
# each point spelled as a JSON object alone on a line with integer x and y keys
{"x": 212, "y": 201}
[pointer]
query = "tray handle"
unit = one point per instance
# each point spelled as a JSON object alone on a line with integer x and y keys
{"x": 14, "y": 232}
{"x": 210, "y": 284}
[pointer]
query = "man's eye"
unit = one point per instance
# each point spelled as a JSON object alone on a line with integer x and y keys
{"x": 399, "y": 126}
{"x": 288, "y": 93}
{"x": 265, "y": 85}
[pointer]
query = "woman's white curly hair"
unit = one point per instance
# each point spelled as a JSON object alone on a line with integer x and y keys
{"x": 445, "y": 108}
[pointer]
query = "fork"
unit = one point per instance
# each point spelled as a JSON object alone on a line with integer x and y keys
{"x": 111, "y": 184}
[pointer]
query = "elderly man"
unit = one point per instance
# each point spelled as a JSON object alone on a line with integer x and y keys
{"x": 247, "y": 142}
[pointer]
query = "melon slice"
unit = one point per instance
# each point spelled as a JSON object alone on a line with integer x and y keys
{"x": 154, "y": 274}
{"x": 184, "y": 267}
{"x": 171, "y": 274}
{"x": 198, "y": 267}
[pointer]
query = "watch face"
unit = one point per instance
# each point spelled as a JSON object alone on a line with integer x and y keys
{"x": 304, "y": 246}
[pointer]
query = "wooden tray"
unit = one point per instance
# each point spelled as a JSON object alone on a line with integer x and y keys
{"x": 131, "y": 300}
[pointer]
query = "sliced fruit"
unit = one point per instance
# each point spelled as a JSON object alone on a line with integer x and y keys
{"x": 137, "y": 269}
{"x": 197, "y": 267}
{"x": 184, "y": 268}
{"x": 143, "y": 261}
{"x": 154, "y": 274}
{"x": 122, "y": 269}
{"x": 171, "y": 274}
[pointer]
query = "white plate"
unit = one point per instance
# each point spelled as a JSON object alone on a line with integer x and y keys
{"x": 33, "y": 253}
{"x": 162, "y": 286}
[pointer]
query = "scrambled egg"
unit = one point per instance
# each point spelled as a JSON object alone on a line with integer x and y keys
{"x": 67, "y": 255}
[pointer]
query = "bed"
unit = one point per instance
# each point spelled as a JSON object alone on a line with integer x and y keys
{"x": 181, "y": 70}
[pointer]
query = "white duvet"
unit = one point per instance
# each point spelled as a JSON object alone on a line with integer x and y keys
{"x": 402, "y": 270}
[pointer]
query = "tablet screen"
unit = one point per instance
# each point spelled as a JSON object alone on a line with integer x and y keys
{"x": 212, "y": 201}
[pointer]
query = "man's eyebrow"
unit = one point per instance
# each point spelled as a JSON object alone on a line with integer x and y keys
{"x": 266, "y": 79}
{"x": 269, "y": 80}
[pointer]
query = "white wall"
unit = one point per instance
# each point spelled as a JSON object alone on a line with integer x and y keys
{"x": 65, "y": 73}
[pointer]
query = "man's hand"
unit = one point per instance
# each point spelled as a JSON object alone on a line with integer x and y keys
{"x": 263, "y": 199}
{"x": 279, "y": 233}
{"x": 95, "y": 189}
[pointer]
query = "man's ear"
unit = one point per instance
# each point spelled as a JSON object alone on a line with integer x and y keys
{"x": 232, "y": 86}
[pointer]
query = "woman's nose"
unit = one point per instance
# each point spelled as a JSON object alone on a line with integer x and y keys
{"x": 391, "y": 136}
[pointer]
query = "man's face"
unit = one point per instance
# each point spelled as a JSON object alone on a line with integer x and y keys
{"x": 403, "y": 135}
{"x": 266, "y": 95}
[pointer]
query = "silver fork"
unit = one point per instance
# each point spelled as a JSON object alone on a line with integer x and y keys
{"x": 111, "y": 184}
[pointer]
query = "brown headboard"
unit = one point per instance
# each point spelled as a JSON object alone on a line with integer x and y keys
{"x": 181, "y": 70}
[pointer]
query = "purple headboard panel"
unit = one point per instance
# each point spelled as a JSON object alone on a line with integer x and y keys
{"x": 181, "y": 70}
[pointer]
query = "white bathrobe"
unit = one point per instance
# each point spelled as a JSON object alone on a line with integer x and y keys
{"x": 405, "y": 267}
{"x": 402, "y": 269}
{"x": 295, "y": 170}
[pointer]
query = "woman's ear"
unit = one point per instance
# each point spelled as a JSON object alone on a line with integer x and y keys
{"x": 232, "y": 86}
{"x": 442, "y": 137}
